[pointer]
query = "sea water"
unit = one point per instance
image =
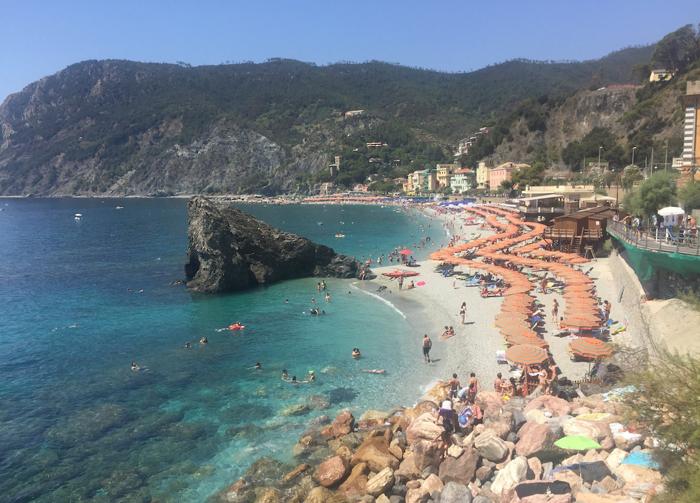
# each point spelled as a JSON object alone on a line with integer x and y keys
{"x": 80, "y": 299}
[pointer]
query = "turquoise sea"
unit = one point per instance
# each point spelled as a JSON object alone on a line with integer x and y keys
{"x": 80, "y": 300}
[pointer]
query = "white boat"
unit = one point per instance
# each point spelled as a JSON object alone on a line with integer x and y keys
{"x": 119, "y": 207}
{"x": 339, "y": 235}
{"x": 77, "y": 217}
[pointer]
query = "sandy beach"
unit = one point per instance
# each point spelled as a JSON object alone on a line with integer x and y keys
{"x": 429, "y": 308}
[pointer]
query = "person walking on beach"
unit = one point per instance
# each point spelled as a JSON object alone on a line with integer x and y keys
{"x": 555, "y": 311}
{"x": 427, "y": 346}
{"x": 473, "y": 386}
{"x": 463, "y": 312}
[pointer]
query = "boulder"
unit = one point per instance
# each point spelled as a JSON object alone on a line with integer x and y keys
{"x": 426, "y": 454}
{"x": 424, "y": 427}
{"x": 230, "y": 250}
{"x": 583, "y": 497}
{"x": 455, "y": 493}
{"x": 438, "y": 393}
{"x": 491, "y": 404}
{"x": 375, "y": 452}
{"x": 269, "y": 495}
{"x": 536, "y": 416}
{"x": 552, "y": 404}
{"x": 483, "y": 473}
{"x": 323, "y": 495}
{"x": 289, "y": 476}
{"x": 491, "y": 446}
{"x": 545, "y": 492}
{"x": 535, "y": 466}
{"x": 595, "y": 431}
{"x": 332, "y": 471}
{"x": 571, "y": 478}
{"x": 454, "y": 451}
{"x": 636, "y": 475}
{"x": 374, "y": 415}
{"x": 461, "y": 469}
{"x": 298, "y": 409}
{"x": 408, "y": 468}
{"x": 615, "y": 458}
{"x": 533, "y": 438}
{"x": 356, "y": 482}
{"x": 510, "y": 476}
{"x": 342, "y": 424}
{"x": 381, "y": 482}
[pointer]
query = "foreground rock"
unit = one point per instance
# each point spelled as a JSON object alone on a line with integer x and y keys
{"x": 230, "y": 250}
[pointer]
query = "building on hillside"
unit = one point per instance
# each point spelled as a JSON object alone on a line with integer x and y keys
{"x": 353, "y": 113}
{"x": 504, "y": 172}
{"x": 691, "y": 131}
{"x": 407, "y": 185}
{"x": 660, "y": 75}
{"x": 462, "y": 180}
{"x": 334, "y": 167}
{"x": 444, "y": 174}
{"x": 482, "y": 176}
{"x": 376, "y": 144}
{"x": 360, "y": 187}
{"x": 423, "y": 181}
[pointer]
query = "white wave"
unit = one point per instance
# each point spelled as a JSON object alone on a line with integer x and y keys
{"x": 379, "y": 297}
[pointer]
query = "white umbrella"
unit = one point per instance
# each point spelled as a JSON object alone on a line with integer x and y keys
{"x": 671, "y": 211}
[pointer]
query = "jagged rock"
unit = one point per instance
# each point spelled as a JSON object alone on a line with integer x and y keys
{"x": 491, "y": 446}
{"x": 455, "y": 451}
{"x": 375, "y": 452}
{"x": 230, "y": 250}
{"x": 533, "y": 438}
{"x": 331, "y": 471}
{"x": 426, "y": 454}
{"x": 424, "y": 427}
{"x": 461, "y": 469}
{"x": 323, "y": 495}
{"x": 343, "y": 424}
{"x": 535, "y": 466}
{"x": 381, "y": 482}
{"x": 510, "y": 476}
{"x": 615, "y": 458}
{"x": 552, "y": 404}
{"x": 382, "y": 498}
{"x": 455, "y": 493}
{"x": 356, "y": 482}
{"x": 408, "y": 468}
{"x": 595, "y": 431}
{"x": 432, "y": 485}
{"x": 289, "y": 476}
{"x": 269, "y": 495}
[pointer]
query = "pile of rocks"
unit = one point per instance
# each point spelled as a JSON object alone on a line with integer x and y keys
{"x": 403, "y": 457}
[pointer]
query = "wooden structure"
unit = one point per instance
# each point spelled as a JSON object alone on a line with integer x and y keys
{"x": 575, "y": 231}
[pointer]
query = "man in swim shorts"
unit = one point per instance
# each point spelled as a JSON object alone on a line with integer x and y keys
{"x": 427, "y": 346}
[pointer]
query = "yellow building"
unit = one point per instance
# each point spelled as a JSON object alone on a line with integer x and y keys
{"x": 482, "y": 176}
{"x": 660, "y": 75}
{"x": 444, "y": 174}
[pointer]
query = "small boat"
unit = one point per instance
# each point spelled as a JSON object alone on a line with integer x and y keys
{"x": 119, "y": 207}
{"x": 339, "y": 235}
{"x": 77, "y": 217}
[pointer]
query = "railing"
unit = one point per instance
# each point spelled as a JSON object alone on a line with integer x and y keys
{"x": 662, "y": 240}
{"x": 540, "y": 209}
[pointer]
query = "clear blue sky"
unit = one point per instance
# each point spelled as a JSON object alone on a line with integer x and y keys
{"x": 39, "y": 38}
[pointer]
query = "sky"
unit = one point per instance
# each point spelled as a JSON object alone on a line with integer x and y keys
{"x": 41, "y": 37}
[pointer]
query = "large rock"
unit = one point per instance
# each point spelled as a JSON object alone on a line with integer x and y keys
{"x": 455, "y": 493}
{"x": 461, "y": 469}
{"x": 332, "y": 471}
{"x": 533, "y": 437}
{"x": 323, "y": 495}
{"x": 230, "y": 250}
{"x": 356, "y": 482}
{"x": 342, "y": 424}
{"x": 426, "y": 453}
{"x": 491, "y": 446}
{"x": 375, "y": 452}
{"x": 424, "y": 427}
{"x": 595, "y": 431}
{"x": 408, "y": 468}
{"x": 510, "y": 476}
{"x": 552, "y": 404}
{"x": 381, "y": 482}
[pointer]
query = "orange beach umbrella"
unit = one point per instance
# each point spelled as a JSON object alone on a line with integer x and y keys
{"x": 400, "y": 274}
{"x": 526, "y": 354}
{"x": 590, "y": 347}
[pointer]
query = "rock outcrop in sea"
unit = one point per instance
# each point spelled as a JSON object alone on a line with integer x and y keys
{"x": 230, "y": 250}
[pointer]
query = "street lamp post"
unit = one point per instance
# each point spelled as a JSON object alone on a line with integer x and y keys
{"x": 633, "y": 149}
{"x": 600, "y": 149}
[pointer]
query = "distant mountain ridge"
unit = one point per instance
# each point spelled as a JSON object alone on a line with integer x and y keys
{"x": 126, "y": 128}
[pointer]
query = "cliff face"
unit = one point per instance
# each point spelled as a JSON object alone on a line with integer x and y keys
{"x": 230, "y": 250}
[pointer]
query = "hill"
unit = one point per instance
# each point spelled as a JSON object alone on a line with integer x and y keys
{"x": 122, "y": 127}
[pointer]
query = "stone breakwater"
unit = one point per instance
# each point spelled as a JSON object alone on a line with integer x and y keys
{"x": 404, "y": 456}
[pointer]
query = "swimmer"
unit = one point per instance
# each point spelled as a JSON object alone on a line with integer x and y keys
{"x": 294, "y": 380}
{"x": 188, "y": 345}
{"x": 258, "y": 366}
{"x": 356, "y": 353}
{"x": 312, "y": 376}
{"x": 203, "y": 340}
{"x": 286, "y": 301}
{"x": 285, "y": 375}
{"x": 135, "y": 367}
{"x": 374, "y": 371}
{"x": 327, "y": 297}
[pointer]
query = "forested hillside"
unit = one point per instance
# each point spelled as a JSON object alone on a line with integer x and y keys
{"x": 122, "y": 127}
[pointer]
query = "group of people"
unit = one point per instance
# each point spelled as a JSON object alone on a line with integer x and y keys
{"x": 448, "y": 332}
{"x": 310, "y": 377}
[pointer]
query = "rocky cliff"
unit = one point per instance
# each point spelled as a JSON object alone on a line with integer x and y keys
{"x": 230, "y": 250}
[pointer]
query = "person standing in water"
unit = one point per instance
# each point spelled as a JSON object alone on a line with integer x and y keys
{"x": 427, "y": 346}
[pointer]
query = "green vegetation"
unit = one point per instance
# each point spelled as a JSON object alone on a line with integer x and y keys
{"x": 657, "y": 191}
{"x": 576, "y": 153}
{"x": 677, "y": 50}
{"x": 534, "y": 175}
{"x": 689, "y": 196}
{"x": 667, "y": 403}
{"x": 630, "y": 176}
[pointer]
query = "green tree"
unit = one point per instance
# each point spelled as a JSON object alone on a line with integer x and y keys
{"x": 630, "y": 176}
{"x": 533, "y": 175}
{"x": 574, "y": 153}
{"x": 677, "y": 50}
{"x": 689, "y": 196}
{"x": 667, "y": 403}
{"x": 657, "y": 191}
